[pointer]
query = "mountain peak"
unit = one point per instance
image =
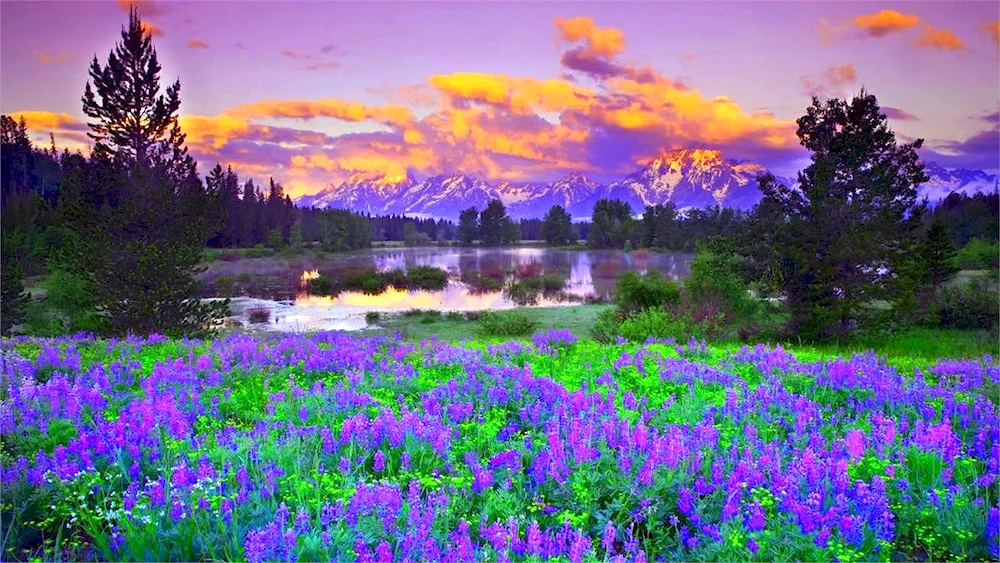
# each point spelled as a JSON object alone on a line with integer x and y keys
{"x": 378, "y": 179}
{"x": 700, "y": 158}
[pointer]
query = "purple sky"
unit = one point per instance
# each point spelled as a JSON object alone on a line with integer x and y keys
{"x": 310, "y": 92}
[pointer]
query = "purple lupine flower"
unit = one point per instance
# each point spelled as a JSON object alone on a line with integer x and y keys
{"x": 379, "y": 462}
{"x": 608, "y": 540}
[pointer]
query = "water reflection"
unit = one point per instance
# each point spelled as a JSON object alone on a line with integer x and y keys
{"x": 587, "y": 273}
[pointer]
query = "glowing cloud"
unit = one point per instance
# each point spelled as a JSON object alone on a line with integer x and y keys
{"x": 605, "y": 41}
{"x": 197, "y": 44}
{"x": 993, "y": 29}
{"x": 326, "y": 107}
{"x": 151, "y": 29}
{"x": 831, "y": 83}
{"x": 898, "y": 114}
{"x": 944, "y": 39}
{"x": 147, "y": 8}
{"x": 47, "y": 120}
{"x": 46, "y": 58}
{"x": 884, "y": 22}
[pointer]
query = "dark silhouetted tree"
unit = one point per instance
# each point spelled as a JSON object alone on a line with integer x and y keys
{"x": 557, "y": 226}
{"x": 468, "y": 225}
{"x": 845, "y": 226}
{"x": 142, "y": 213}
{"x": 492, "y": 223}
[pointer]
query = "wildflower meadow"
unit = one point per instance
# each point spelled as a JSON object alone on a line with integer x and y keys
{"x": 335, "y": 447}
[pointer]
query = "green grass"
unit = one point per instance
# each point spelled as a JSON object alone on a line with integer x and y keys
{"x": 914, "y": 347}
{"x": 577, "y": 318}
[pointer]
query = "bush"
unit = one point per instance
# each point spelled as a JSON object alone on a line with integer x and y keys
{"x": 473, "y": 315}
{"x": 427, "y": 277}
{"x": 259, "y": 314}
{"x": 495, "y": 323}
{"x": 373, "y": 317}
{"x": 971, "y": 305}
{"x": 979, "y": 255}
{"x": 454, "y": 316}
{"x": 553, "y": 282}
{"x": 225, "y": 285}
{"x": 715, "y": 280}
{"x": 368, "y": 281}
{"x": 656, "y": 323}
{"x": 635, "y": 292}
{"x": 321, "y": 286}
{"x": 606, "y": 327}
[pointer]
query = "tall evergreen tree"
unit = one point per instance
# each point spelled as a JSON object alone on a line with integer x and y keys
{"x": 468, "y": 225}
{"x": 557, "y": 226}
{"x": 846, "y": 225}
{"x": 141, "y": 211}
{"x": 492, "y": 223}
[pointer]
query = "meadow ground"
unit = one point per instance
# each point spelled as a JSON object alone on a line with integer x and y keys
{"x": 343, "y": 447}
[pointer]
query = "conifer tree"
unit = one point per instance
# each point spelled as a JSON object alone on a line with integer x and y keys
{"x": 141, "y": 211}
{"x": 844, "y": 228}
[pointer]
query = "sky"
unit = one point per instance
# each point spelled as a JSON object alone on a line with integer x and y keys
{"x": 312, "y": 92}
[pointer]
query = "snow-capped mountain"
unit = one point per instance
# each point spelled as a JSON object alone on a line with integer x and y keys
{"x": 688, "y": 178}
{"x": 362, "y": 192}
{"x": 944, "y": 182}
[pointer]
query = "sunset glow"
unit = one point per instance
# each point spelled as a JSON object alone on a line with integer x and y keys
{"x": 312, "y": 92}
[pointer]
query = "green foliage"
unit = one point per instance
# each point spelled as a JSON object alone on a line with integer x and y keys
{"x": 659, "y": 229}
{"x": 495, "y": 227}
{"x": 413, "y": 238}
{"x": 321, "y": 286}
{"x": 607, "y": 327}
{"x": 13, "y": 299}
{"x": 715, "y": 276}
{"x": 69, "y": 297}
{"x": 426, "y": 277}
{"x": 504, "y": 323}
{"x": 973, "y": 304}
{"x": 373, "y": 317}
{"x": 557, "y": 227}
{"x": 635, "y": 292}
{"x": 841, "y": 231}
{"x": 295, "y": 235}
{"x": 468, "y": 225}
{"x": 658, "y": 323}
{"x": 979, "y": 254}
{"x": 274, "y": 239}
{"x": 612, "y": 224}
{"x": 225, "y": 286}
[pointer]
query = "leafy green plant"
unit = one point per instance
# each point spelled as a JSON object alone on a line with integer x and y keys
{"x": 496, "y": 323}
{"x": 635, "y": 292}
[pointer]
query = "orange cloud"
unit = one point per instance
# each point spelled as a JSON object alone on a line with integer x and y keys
{"x": 993, "y": 29}
{"x": 884, "y": 22}
{"x": 151, "y": 29}
{"x": 197, "y": 44}
{"x": 145, "y": 7}
{"x": 45, "y": 58}
{"x": 832, "y": 82}
{"x": 524, "y": 96}
{"x": 49, "y": 120}
{"x": 327, "y": 107}
{"x": 940, "y": 39}
{"x": 606, "y": 41}
{"x": 322, "y": 65}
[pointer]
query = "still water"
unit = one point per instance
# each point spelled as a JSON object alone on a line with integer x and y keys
{"x": 292, "y": 308}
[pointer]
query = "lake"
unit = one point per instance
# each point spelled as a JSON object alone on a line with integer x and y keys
{"x": 279, "y": 284}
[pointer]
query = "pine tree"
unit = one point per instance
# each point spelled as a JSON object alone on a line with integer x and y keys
{"x": 492, "y": 223}
{"x": 295, "y": 236}
{"x": 557, "y": 227}
{"x": 141, "y": 211}
{"x": 845, "y": 227}
{"x": 468, "y": 225}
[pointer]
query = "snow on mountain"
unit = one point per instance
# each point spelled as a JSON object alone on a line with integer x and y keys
{"x": 688, "y": 178}
{"x": 944, "y": 182}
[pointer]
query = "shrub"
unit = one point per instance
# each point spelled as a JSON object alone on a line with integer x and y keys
{"x": 321, "y": 286}
{"x": 427, "y": 277}
{"x": 979, "y": 255}
{"x": 635, "y": 292}
{"x": 524, "y": 292}
{"x": 473, "y": 315}
{"x": 606, "y": 327}
{"x": 715, "y": 280}
{"x": 373, "y": 317}
{"x": 454, "y": 315}
{"x": 259, "y": 314}
{"x": 225, "y": 285}
{"x": 973, "y": 304}
{"x": 412, "y": 313}
{"x": 368, "y": 281}
{"x": 553, "y": 282}
{"x": 495, "y": 323}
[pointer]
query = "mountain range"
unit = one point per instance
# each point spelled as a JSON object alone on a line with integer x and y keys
{"x": 688, "y": 178}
